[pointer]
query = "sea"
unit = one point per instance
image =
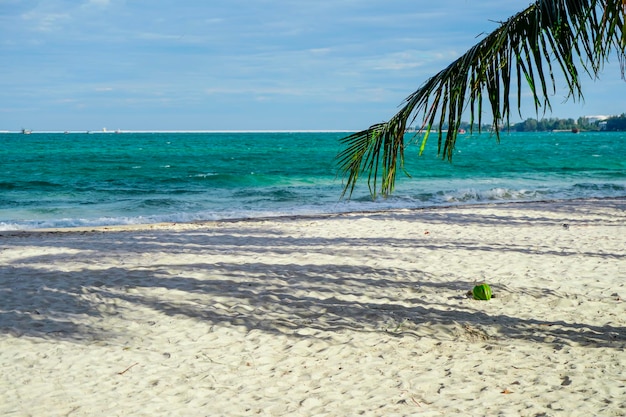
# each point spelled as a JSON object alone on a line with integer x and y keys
{"x": 80, "y": 179}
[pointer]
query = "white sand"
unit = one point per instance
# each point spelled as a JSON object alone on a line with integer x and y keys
{"x": 331, "y": 316}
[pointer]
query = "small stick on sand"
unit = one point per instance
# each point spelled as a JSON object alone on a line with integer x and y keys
{"x": 127, "y": 369}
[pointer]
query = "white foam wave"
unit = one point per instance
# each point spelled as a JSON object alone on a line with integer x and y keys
{"x": 405, "y": 199}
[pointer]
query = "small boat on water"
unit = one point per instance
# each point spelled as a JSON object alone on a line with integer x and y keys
{"x": 26, "y": 131}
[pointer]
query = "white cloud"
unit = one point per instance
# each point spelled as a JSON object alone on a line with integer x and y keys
{"x": 46, "y": 21}
{"x": 399, "y": 61}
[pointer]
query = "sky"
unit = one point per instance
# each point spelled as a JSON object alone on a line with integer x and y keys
{"x": 242, "y": 64}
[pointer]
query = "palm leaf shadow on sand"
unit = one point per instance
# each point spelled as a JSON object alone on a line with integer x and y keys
{"x": 42, "y": 300}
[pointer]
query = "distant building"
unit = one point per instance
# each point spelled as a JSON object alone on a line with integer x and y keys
{"x": 598, "y": 118}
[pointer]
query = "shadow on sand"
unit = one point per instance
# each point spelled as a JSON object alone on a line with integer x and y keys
{"x": 41, "y": 299}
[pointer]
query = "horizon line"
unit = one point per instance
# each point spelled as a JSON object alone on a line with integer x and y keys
{"x": 119, "y": 131}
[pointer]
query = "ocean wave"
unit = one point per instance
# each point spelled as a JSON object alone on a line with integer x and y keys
{"x": 217, "y": 215}
{"x": 606, "y": 187}
{"x": 493, "y": 194}
{"x": 28, "y": 185}
{"x": 185, "y": 206}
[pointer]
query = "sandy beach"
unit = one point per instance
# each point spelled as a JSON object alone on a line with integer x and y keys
{"x": 342, "y": 315}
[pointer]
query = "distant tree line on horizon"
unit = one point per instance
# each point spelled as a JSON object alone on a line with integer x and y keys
{"x": 611, "y": 124}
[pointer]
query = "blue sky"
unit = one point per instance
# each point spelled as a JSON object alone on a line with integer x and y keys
{"x": 240, "y": 64}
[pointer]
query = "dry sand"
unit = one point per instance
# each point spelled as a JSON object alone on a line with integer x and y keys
{"x": 357, "y": 314}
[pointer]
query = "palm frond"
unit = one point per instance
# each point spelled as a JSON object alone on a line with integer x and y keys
{"x": 572, "y": 34}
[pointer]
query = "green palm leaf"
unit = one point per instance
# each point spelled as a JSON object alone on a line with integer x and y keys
{"x": 572, "y": 34}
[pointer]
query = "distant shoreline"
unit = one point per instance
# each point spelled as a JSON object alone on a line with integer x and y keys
{"x": 170, "y": 131}
{"x": 192, "y": 224}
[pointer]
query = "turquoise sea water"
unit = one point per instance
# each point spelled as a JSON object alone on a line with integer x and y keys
{"x": 78, "y": 179}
